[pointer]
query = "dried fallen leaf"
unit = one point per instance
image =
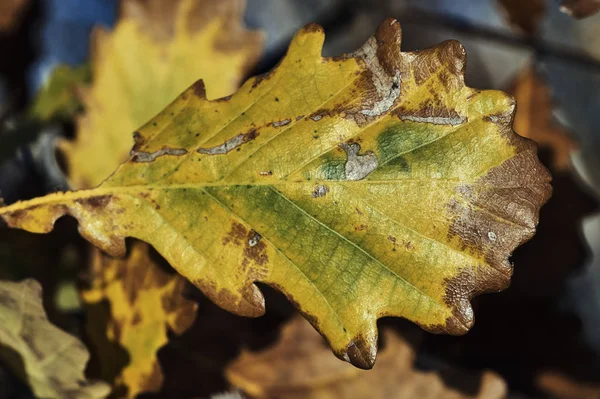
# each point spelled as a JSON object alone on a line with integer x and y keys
{"x": 560, "y": 386}
{"x": 534, "y": 118}
{"x": 156, "y": 50}
{"x": 580, "y": 8}
{"x": 300, "y": 366}
{"x": 51, "y": 361}
{"x": 373, "y": 184}
{"x": 524, "y": 15}
{"x": 10, "y": 11}
{"x": 144, "y": 301}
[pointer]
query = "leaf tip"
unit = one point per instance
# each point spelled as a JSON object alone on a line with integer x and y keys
{"x": 361, "y": 353}
{"x": 199, "y": 89}
{"x": 312, "y": 28}
{"x": 308, "y": 41}
{"x": 389, "y": 31}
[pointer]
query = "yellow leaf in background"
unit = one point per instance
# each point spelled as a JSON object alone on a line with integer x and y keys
{"x": 368, "y": 185}
{"x": 58, "y": 97}
{"x": 48, "y": 359}
{"x": 300, "y": 367}
{"x": 144, "y": 300}
{"x": 156, "y": 50}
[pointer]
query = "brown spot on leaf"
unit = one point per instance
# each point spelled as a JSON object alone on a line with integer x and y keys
{"x": 251, "y": 303}
{"x": 139, "y": 142}
{"x": 100, "y": 201}
{"x": 255, "y": 249}
{"x": 258, "y": 79}
{"x": 236, "y": 234}
{"x": 16, "y": 218}
{"x": 199, "y": 89}
{"x": 496, "y": 221}
{"x": 361, "y": 227}
{"x": 137, "y": 318}
{"x": 146, "y": 196}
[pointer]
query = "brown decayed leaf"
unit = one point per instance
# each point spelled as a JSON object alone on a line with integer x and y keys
{"x": 299, "y": 366}
{"x": 535, "y": 121}
{"x": 524, "y": 14}
{"x": 9, "y": 13}
{"x": 560, "y": 386}
{"x": 51, "y": 361}
{"x": 155, "y": 51}
{"x": 144, "y": 301}
{"x": 580, "y": 8}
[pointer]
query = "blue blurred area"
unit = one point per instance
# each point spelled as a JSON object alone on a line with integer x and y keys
{"x": 479, "y": 12}
{"x": 64, "y": 34}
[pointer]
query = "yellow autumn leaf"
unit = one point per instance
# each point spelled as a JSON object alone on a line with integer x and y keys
{"x": 368, "y": 185}
{"x": 152, "y": 39}
{"x": 144, "y": 300}
{"x": 156, "y": 50}
{"x": 58, "y": 96}
{"x": 299, "y": 366}
{"x": 48, "y": 359}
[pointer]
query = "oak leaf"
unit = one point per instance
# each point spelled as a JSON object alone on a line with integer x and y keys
{"x": 534, "y": 118}
{"x": 300, "y": 366}
{"x": 368, "y": 185}
{"x": 51, "y": 361}
{"x": 144, "y": 301}
{"x": 156, "y": 50}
